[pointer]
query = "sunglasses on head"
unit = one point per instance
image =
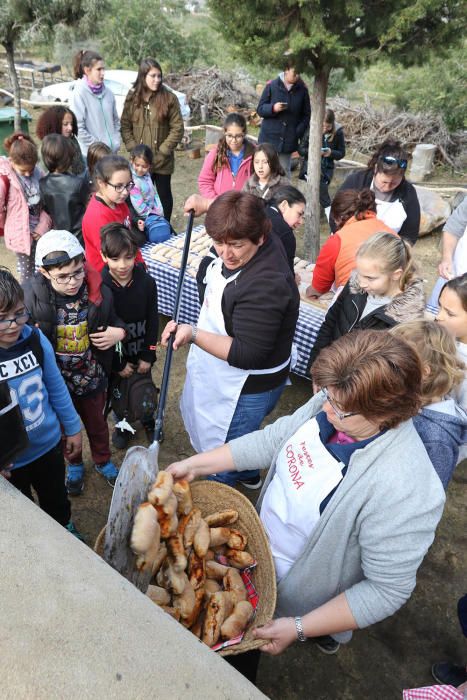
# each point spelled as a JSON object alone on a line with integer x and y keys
{"x": 390, "y": 160}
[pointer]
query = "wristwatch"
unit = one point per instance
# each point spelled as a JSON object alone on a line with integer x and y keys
{"x": 194, "y": 332}
{"x": 300, "y": 633}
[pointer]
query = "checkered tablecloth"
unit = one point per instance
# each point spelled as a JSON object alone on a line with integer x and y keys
{"x": 166, "y": 276}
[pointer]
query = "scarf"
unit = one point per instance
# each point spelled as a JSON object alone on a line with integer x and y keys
{"x": 95, "y": 89}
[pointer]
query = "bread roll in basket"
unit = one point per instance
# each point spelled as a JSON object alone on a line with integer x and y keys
{"x": 211, "y": 496}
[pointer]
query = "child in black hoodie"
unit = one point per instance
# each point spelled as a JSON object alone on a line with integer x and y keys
{"x": 135, "y": 301}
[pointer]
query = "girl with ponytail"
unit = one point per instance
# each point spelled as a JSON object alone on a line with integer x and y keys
{"x": 93, "y": 103}
{"x": 355, "y": 215}
{"x": 384, "y": 290}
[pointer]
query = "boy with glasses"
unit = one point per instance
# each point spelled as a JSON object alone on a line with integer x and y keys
{"x": 68, "y": 304}
{"x": 27, "y": 365}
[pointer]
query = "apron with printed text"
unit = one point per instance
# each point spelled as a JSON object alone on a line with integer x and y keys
{"x": 305, "y": 474}
{"x": 212, "y": 386}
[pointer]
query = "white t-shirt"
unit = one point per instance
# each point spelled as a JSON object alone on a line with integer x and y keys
{"x": 305, "y": 474}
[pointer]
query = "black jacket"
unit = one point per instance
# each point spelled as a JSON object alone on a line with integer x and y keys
{"x": 39, "y": 297}
{"x": 345, "y": 314}
{"x": 136, "y": 305}
{"x": 284, "y": 232}
{"x": 405, "y": 192}
{"x": 260, "y": 311}
{"x": 65, "y": 198}
{"x": 337, "y": 146}
{"x": 284, "y": 129}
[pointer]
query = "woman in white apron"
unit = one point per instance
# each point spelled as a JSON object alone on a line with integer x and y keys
{"x": 351, "y": 500}
{"x": 241, "y": 346}
{"x": 397, "y": 203}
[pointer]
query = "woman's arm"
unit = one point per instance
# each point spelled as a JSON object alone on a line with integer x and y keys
{"x": 338, "y": 145}
{"x": 411, "y": 226}
{"x": 207, "y": 178}
{"x": 176, "y": 129}
{"x": 332, "y": 617}
{"x": 78, "y": 106}
{"x": 213, "y": 343}
{"x": 116, "y": 139}
{"x": 324, "y": 272}
{"x": 126, "y": 123}
{"x": 203, "y": 464}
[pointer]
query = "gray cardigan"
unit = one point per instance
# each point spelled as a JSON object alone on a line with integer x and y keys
{"x": 96, "y": 116}
{"x": 375, "y": 530}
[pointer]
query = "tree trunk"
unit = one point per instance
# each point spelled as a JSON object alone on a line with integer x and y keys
{"x": 10, "y": 59}
{"x": 313, "y": 209}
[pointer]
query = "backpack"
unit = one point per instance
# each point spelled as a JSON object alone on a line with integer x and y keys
{"x": 133, "y": 398}
{"x": 13, "y": 433}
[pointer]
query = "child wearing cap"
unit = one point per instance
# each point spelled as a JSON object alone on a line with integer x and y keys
{"x": 28, "y": 367}
{"x": 71, "y": 308}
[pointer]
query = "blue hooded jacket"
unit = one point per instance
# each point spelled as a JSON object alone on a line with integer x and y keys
{"x": 442, "y": 434}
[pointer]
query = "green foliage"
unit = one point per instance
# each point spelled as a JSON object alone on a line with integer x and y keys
{"x": 438, "y": 86}
{"x": 129, "y": 34}
{"x": 338, "y": 33}
{"x": 33, "y": 19}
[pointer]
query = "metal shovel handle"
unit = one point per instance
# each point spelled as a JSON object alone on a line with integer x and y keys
{"x": 168, "y": 358}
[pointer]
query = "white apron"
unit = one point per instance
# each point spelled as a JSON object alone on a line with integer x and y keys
{"x": 305, "y": 474}
{"x": 392, "y": 214}
{"x": 212, "y": 387}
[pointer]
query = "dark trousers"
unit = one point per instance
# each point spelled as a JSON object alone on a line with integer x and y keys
{"x": 47, "y": 477}
{"x": 162, "y": 183}
{"x": 91, "y": 412}
{"x": 246, "y": 664}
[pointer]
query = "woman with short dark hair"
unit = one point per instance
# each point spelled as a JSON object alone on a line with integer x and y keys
{"x": 354, "y": 213}
{"x": 351, "y": 501}
{"x": 241, "y": 347}
{"x": 151, "y": 115}
{"x": 396, "y": 198}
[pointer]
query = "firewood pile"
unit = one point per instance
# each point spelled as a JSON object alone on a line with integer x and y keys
{"x": 366, "y": 127}
{"x": 221, "y": 92}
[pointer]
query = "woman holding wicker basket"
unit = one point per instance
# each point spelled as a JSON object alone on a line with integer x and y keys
{"x": 351, "y": 500}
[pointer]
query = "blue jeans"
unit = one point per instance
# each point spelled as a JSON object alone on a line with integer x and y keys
{"x": 249, "y": 414}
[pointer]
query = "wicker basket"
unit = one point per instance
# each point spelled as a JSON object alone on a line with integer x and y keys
{"x": 209, "y": 497}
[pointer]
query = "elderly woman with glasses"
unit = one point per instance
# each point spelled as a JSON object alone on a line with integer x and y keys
{"x": 396, "y": 199}
{"x": 229, "y": 165}
{"x": 351, "y": 501}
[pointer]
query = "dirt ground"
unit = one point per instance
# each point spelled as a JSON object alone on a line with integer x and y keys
{"x": 382, "y": 660}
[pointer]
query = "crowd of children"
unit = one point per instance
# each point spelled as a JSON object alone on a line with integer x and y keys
{"x": 83, "y": 318}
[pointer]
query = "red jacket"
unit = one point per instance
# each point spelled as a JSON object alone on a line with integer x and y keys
{"x": 211, "y": 184}
{"x": 336, "y": 259}
{"x": 97, "y": 215}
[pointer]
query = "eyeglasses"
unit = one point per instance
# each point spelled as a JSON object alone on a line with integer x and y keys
{"x": 64, "y": 279}
{"x": 119, "y": 188}
{"x": 235, "y": 137}
{"x": 390, "y": 160}
{"x": 19, "y": 319}
{"x": 336, "y": 410}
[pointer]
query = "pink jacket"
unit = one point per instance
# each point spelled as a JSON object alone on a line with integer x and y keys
{"x": 14, "y": 213}
{"x": 211, "y": 184}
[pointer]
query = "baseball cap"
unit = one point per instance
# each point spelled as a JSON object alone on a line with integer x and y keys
{"x": 57, "y": 241}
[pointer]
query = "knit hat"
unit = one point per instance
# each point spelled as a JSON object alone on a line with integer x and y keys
{"x": 64, "y": 243}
